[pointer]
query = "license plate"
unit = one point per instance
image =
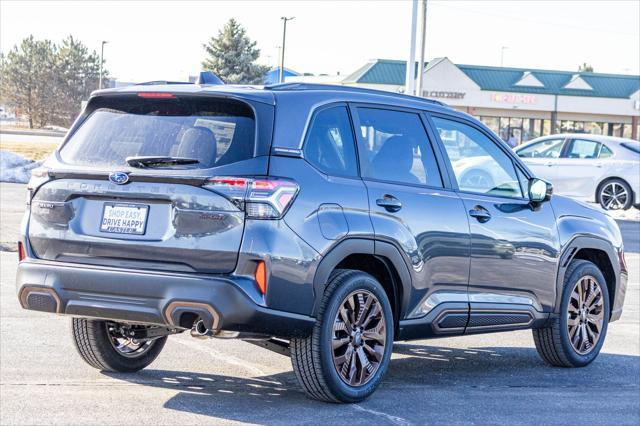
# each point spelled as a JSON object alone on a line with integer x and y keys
{"x": 124, "y": 218}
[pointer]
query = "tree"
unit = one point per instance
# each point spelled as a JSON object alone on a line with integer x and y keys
{"x": 48, "y": 83}
{"x": 78, "y": 73}
{"x": 28, "y": 79}
{"x": 232, "y": 56}
{"x": 585, "y": 68}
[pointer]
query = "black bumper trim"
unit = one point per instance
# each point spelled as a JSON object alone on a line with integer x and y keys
{"x": 154, "y": 298}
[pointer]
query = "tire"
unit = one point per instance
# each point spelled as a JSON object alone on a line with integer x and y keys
{"x": 609, "y": 191}
{"x": 93, "y": 342}
{"x": 554, "y": 342}
{"x": 312, "y": 357}
{"x": 477, "y": 179}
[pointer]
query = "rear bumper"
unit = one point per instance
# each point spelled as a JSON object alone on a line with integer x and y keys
{"x": 152, "y": 298}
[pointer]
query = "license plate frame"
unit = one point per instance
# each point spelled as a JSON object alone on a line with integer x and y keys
{"x": 116, "y": 227}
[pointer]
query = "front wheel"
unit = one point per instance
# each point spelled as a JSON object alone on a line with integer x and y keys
{"x": 104, "y": 345}
{"x": 575, "y": 337}
{"x": 349, "y": 349}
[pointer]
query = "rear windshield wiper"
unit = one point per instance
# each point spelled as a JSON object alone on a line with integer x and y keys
{"x": 152, "y": 161}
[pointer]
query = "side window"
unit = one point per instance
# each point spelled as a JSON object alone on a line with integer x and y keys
{"x": 605, "y": 152}
{"x": 395, "y": 147}
{"x": 582, "y": 148}
{"x": 479, "y": 165}
{"x": 330, "y": 145}
{"x": 548, "y": 148}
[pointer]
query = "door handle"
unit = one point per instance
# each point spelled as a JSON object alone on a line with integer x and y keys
{"x": 480, "y": 213}
{"x": 390, "y": 203}
{"x": 549, "y": 164}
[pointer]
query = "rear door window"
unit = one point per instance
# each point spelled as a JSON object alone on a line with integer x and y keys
{"x": 329, "y": 145}
{"x": 395, "y": 148}
{"x": 212, "y": 131}
{"x": 583, "y": 149}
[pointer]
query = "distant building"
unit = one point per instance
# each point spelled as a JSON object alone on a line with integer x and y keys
{"x": 273, "y": 76}
{"x": 525, "y": 103}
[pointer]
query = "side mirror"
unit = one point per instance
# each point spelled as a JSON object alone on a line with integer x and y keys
{"x": 539, "y": 190}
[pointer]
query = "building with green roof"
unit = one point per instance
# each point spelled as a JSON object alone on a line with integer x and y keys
{"x": 520, "y": 102}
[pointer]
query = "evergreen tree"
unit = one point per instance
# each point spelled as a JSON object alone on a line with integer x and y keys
{"x": 78, "y": 73}
{"x": 232, "y": 55}
{"x": 28, "y": 81}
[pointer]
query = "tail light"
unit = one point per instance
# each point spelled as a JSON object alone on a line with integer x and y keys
{"x": 22, "y": 253}
{"x": 261, "y": 198}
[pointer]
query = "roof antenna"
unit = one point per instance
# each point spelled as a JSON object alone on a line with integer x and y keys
{"x": 207, "y": 77}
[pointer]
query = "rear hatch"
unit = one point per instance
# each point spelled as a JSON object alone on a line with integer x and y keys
{"x": 133, "y": 184}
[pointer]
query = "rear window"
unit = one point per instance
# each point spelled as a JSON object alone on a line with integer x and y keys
{"x": 632, "y": 146}
{"x": 213, "y": 131}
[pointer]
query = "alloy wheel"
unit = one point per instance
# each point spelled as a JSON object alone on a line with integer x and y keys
{"x": 359, "y": 338}
{"x": 585, "y": 316}
{"x": 614, "y": 196}
{"x": 128, "y": 347}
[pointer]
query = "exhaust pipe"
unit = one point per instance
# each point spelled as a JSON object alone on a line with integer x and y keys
{"x": 200, "y": 331}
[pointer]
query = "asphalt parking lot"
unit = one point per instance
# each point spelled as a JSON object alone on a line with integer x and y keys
{"x": 483, "y": 379}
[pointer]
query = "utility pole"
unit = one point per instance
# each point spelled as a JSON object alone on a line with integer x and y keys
{"x": 101, "y": 62}
{"x": 502, "y": 49}
{"x": 410, "y": 77}
{"x": 284, "y": 38}
{"x": 423, "y": 39}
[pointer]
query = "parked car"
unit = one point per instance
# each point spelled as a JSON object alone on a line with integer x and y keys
{"x": 320, "y": 222}
{"x": 593, "y": 168}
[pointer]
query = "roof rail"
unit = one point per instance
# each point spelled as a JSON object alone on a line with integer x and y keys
{"x": 316, "y": 86}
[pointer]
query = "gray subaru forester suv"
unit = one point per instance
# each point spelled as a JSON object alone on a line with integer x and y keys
{"x": 320, "y": 222}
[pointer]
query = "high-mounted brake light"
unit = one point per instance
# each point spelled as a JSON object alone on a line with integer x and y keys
{"x": 261, "y": 198}
{"x": 156, "y": 95}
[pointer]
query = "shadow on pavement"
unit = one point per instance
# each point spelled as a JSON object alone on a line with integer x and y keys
{"x": 417, "y": 373}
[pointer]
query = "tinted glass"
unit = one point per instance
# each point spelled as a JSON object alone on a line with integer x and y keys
{"x": 605, "y": 152}
{"x": 582, "y": 148}
{"x": 330, "y": 146}
{"x": 214, "y": 132}
{"x": 632, "y": 146}
{"x": 479, "y": 165}
{"x": 549, "y": 148}
{"x": 395, "y": 147}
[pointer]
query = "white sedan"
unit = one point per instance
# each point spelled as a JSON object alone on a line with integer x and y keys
{"x": 588, "y": 167}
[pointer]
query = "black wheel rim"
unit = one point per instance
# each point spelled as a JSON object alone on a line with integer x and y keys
{"x": 585, "y": 315}
{"x": 614, "y": 196}
{"x": 359, "y": 338}
{"x": 128, "y": 347}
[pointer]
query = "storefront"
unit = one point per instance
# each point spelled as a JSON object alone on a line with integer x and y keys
{"x": 520, "y": 104}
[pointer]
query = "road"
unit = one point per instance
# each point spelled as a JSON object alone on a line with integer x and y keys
{"x": 482, "y": 379}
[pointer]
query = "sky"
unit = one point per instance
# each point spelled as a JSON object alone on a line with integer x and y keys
{"x": 154, "y": 40}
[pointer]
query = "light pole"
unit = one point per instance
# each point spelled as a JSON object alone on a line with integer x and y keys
{"x": 101, "y": 62}
{"x": 410, "y": 77}
{"x": 284, "y": 38}
{"x": 423, "y": 37}
{"x": 502, "y": 49}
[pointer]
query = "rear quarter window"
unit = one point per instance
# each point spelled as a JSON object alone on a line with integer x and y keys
{"x": 213, "y": 131}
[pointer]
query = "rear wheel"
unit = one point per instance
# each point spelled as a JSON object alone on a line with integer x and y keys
{"x": 349, "y": 349}
{"x": 104, "y": 345}
{"x": 575, "y": 337}
{"x": 615, "y": 194}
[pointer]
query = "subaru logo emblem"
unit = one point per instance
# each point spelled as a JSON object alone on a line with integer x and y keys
{"x": 119, "y": 178}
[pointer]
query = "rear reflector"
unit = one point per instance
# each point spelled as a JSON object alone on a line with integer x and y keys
{"x": 156, "y": 95}
{"x": 261, "y": 277}
{"x": 22, "y": 254}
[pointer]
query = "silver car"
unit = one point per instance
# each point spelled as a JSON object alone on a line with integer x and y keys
{"x": 593, "y": 168}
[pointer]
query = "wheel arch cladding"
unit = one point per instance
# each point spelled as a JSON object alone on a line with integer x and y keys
{"x": 597, "y": 251}
{"x": 358, "y": 254}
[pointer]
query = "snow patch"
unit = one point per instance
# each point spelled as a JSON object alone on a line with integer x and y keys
{"x": 15, "y": 168}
